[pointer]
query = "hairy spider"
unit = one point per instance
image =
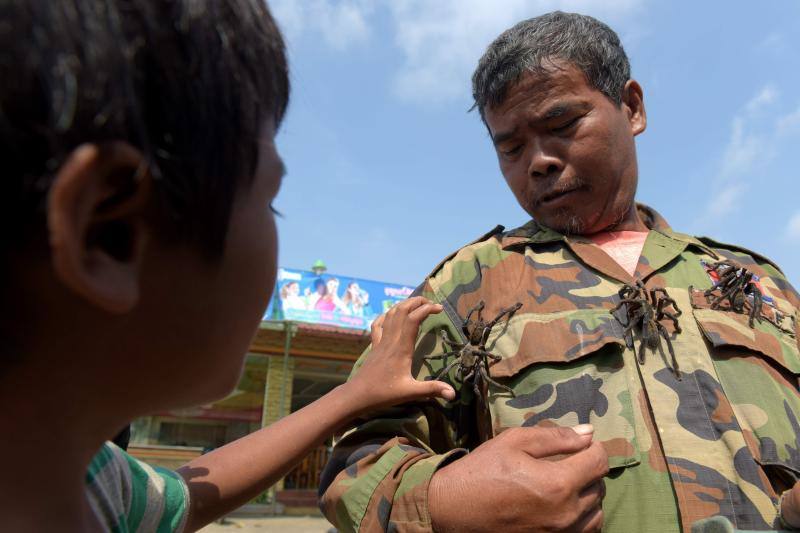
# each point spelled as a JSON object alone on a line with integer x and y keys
{"x": 736, "y": 284}
{"x": 646, "y": 309}
{"x": 471, "y": 357}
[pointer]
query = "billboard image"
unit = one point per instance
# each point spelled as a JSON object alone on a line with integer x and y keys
{"x": 330, "y": 299}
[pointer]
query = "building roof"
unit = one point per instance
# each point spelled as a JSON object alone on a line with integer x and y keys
{"x": 314, "y": 340}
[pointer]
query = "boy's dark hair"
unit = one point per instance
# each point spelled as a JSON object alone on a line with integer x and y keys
{"x": 188, "y": 82}
{"x": 533, "y": 44}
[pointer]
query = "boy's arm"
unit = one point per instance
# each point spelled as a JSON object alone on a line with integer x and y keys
{"x": 229, "y": 477}
{"x": 379, "y": 471}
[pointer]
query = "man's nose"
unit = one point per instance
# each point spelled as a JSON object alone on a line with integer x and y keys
{"x": 544, "y": 162}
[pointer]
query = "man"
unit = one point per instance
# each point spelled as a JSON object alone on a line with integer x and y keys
{"x": 676, "y": 357}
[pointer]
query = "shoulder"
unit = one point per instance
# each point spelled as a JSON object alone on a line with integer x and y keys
{"x": 127, "y": 494}
{"x": 492, "y": 245}
{"x": 741, "y": 254}
{"x": 468, "y": 249}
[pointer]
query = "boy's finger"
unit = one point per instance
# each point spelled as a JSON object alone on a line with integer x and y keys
{"x": 411, "y": 303}
{"x": 376, "y": 330}
{"x": 434, "y": 389}
{"x": 422, "y": 312}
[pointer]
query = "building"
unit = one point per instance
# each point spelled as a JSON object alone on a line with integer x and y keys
{"x": 307, "y": 344}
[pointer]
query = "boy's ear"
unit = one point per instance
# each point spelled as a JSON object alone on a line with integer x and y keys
{"x": 96, "y": 223}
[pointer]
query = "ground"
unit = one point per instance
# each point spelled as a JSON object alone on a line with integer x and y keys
{"x": 277, "y": 524}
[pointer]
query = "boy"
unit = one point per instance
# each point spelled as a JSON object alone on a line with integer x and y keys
{"x": 137, "y": 144}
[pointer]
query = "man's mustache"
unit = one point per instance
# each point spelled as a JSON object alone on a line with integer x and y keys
{"x": 557, "y": 189}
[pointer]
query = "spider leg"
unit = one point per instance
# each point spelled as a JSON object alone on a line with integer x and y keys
{"x": 470, "y": 375}
{"x": 642, "y": 350}
{"x": 666, "y": 314}
{"x": 478, "y": 307}
{"x": 727, "y": 294}
{"x": 758, "y": 304}
{"x": 446, "y": 369}
{"x": 491, "y": 356}
{"x": 675, "y": 368}
{"x": 629, "y": 329}
{"x": 486, "y": 377}
{"x": 476, "y": 388}
{"x": 446, "y": 340}
{"x": 503, "y": 312}
{"x": 439, "y": 356}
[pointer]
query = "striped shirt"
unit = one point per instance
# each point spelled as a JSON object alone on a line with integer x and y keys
{"x": 128, "y": 495}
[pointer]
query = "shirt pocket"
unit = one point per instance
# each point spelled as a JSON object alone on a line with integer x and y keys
{"x": 758, "y": 369}
{"x": 566, "y": 369}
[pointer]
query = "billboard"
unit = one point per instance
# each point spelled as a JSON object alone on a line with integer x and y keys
{"x": 330, "y": 299}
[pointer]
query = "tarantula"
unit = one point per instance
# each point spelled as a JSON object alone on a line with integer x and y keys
{"x": 471, "y": 357}
{"x": 735, "y": 284}
{"x": 646, "y": 309}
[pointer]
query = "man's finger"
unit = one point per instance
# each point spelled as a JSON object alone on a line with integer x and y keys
{"x": 543, "y": 443}
{"x": 592, "y": 496}
{"x": 591, "y": 522}
{"x": 586, "y": 467}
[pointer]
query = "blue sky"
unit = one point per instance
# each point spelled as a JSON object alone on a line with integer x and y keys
{"x": 388, "y": 173}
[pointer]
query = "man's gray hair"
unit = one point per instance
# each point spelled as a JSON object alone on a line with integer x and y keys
{"x": 534, "y": 44}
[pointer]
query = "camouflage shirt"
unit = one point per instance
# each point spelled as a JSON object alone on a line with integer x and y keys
{"x": 721, "y": 441}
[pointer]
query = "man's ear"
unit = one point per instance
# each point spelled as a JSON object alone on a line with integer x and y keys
{"x": 633, "y": 104}
{"x": 96, "y": 223}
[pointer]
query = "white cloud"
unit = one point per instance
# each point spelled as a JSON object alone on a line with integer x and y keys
{"x": 749, "y": 146}
{"x": 744, "y": 149}
{"x": 725, "y": 200}
{"x": 766, "y": 96}
{"x": 788, "y": 122}
{"x": 793, "y": 227}
{"x": 442, "y": 41}
{"x": 341, "y": 24}
{"x": 774, "y": 43}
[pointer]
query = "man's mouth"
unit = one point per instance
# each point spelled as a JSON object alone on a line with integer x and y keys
{"x": 559, "y": 194}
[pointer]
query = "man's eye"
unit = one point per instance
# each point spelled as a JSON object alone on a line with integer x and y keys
{"x": 513, "y": 151}
{"x": 566, "y": 125}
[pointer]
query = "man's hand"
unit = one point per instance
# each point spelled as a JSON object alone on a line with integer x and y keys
{"x": 790, "y": 507}
{"x": 515, "y": 482}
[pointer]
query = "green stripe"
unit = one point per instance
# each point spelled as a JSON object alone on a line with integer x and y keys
{"x": 174, "y": 501}
{"x": 139, "y": 482}
{"x": 99, "y": 461}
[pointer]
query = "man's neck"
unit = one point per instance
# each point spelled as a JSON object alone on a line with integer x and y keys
{"x": 631, "y": 221}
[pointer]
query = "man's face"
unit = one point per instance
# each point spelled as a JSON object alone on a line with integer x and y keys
{"x": 567, "y": 151}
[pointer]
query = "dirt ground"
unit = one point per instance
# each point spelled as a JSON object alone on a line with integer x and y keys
{"x": 277, "y": 524}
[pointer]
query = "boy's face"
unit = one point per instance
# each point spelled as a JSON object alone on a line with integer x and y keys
{"x": 196, "y": 318}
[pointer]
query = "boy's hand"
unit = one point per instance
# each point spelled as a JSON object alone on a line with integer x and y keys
{"x": 384, "y": 378}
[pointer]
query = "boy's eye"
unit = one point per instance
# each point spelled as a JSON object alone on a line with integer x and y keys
{"x": 513, "y": 151}
{"x": 275, "y": 211}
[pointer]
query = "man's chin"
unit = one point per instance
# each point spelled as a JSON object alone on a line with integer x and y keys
{"x": 565, "y": 222}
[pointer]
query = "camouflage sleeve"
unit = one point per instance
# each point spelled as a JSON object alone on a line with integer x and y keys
{"x": 378, "y": 475}
{"x": 773, "y": 282}
{"x": 785, "y": 296}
